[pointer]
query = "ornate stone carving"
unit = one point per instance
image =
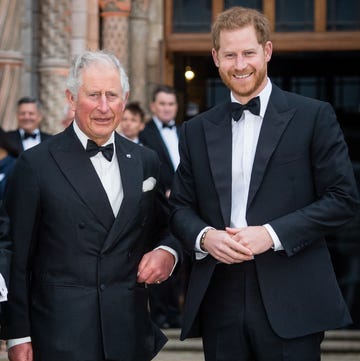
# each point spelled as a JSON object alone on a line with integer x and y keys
{"x": 140, "y": 8}
{"x": 115, "y": 28}
{"x": 139, "y": 30}
{"x": 10, "y": 60}
{"x": 54, "y": 62}
{"x": 122, "y": 7}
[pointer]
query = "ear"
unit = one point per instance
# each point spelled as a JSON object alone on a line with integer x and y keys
{"x": 152, "y": 107}
{"x": 71, "y": 99}
{"x": 125, "y": 101}
{"x": 215, "y": 57}
{"x": 268, "y": 50}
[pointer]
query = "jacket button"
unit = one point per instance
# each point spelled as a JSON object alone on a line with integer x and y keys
{"x": 102, "y": 287}
{"x": 81, "y": 225}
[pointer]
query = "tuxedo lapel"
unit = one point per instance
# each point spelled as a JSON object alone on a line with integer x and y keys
{"x": 161, "y": 147}
{"x": 76, "y": 166}
{"x": 131, "y": 178}
{"x": 218, "y": 134}
{"x": 19, "y": 141}
{"x": 276, "y": 118}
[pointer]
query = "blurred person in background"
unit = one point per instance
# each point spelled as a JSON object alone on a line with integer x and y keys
{"x": 29, "y": 116}
{"x": 132, "y": 122}
{"x": 161, "y": 135}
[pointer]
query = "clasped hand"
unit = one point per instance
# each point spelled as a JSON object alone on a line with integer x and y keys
{"x": 155, "y": 266}
{"x": 235, "y": 245}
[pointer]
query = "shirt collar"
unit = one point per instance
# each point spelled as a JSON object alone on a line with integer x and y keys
{"x": 264, "y": 96}
{"x": 159, "y": 123}
{"x": 135, "y": 140}
{"x": 22, "y": 132}
{"x": 84, "y": 138}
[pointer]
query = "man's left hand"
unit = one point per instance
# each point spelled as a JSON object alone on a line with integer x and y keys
{"x": 155, "y": 266}
{"x": 256, "y": 238}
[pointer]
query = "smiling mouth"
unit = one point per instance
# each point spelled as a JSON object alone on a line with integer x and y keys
{"x": 244, "y": 76}
{"x": 102, "y": 119}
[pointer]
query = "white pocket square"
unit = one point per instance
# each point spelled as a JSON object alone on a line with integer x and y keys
{"x": 148, "y": 184}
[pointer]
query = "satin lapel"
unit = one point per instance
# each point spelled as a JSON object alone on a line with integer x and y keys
{"x": 276, "y": 118}
{"x": 19, "y": 142}
{"x": 218, "y": 134}
{"x": 76, "y": 166}
{"x": 131, "y": 173}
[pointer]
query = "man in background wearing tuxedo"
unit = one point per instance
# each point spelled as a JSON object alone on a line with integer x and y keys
{"x": 161, "y": 135}
{"x": 29, "y": 116}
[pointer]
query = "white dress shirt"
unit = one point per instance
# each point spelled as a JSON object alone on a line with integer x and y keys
{"x": 245, "y": 136}
{"x": 170, "y": 139}
{"x": 3, "y": 289}
{"x": 30, "y": 142}
{"x": 108, "y": 172}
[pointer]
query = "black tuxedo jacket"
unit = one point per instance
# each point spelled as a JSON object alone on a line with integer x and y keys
{"x": 302, "y": 184}
{"x": 151, "y": 138}
{"x": 73, "y": 282}
{"x": 15, "y": 140}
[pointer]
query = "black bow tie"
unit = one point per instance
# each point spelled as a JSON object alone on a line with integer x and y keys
{"x": 92, "y": 148}
{"x": 29, "y": 135}
{"x": 237, "y": 109}
{"x": 167, "y": 125}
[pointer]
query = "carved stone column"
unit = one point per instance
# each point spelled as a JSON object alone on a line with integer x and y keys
{"x": 139, "y": 31}
{"x": 55, "y": 36}
{"x": 115, "y": 28}
{"x": 10, "y": 60}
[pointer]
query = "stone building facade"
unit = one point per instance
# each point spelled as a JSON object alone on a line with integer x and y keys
{"x": 38, "y": 39}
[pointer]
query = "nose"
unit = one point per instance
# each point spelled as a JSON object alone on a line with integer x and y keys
{"x": 103, "y": 104}
{"x": 240, "y": 62}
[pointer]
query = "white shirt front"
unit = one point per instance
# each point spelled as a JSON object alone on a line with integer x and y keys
{"x": 170, "y": 139}
{"x": 245, "y": 136}
{"x": 30, "y": 142}
{"x": 108, "y": 172}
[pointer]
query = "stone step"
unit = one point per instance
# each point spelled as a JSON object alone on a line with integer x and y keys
{"x": 343, "y": 345}
{"x": 343, "y": 341}
{"x": 343, "y": 334}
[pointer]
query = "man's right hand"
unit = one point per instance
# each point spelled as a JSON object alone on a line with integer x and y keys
{"x": 21, "y": 352}
{"x": 224, "y": 248}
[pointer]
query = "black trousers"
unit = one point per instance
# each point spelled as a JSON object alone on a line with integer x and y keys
{"x": 235, "y": 326}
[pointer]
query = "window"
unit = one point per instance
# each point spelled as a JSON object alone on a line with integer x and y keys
{"x": 217, "y": 92}
{"x": 297, "y": 17}
{"x": 343, "y": 15}
{"x": 313, "y": 87}
{"x": 192, "y": 16}
{"x": 347, "y": 93}
{"x": 255, "y": 4}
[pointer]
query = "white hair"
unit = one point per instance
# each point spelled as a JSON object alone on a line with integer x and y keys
{"x": 88, "y": 58}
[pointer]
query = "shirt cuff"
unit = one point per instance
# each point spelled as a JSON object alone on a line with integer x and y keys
{"x": 277, "y": 244}
{"x": 18, "y": 341}
{"x": 3, "y": 289}
{"x": 173, "y": 252}
{"x": 199, "y": 253}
